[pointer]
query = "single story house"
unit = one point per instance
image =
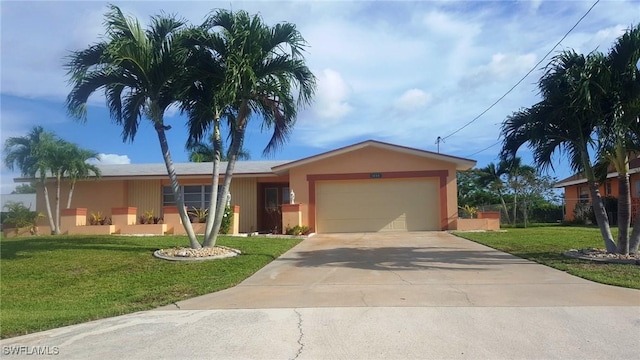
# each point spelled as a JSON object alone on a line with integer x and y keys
{"x": 366, "y": 187}
{"x": 576, "y": 189}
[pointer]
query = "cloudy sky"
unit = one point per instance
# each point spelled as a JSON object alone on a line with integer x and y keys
{"x": 403, "y": 72}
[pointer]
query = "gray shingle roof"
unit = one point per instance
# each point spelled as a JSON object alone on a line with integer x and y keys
{"x": 185, "y": 169}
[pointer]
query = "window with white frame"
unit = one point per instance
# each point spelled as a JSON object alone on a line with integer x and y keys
{"x": 195, "y": 196}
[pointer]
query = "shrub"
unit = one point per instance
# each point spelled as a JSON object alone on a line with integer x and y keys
{"x": 227, "y": 220}
{"x": 198, "y": 215}
{"x": 99, "y": 219}
{"x": 298, "y": 230}
{"x": 19, "y": 216}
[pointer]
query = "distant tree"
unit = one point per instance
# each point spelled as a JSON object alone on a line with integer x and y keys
{"x": 25, "y": 189}
{"x": 491, "y": 179}
{"x": 41, "y": 154}
{"x": 78, "y": 168}
{"x": 204, "y": 152}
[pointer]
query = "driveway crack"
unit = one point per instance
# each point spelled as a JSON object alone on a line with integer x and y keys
{"x": 400, "y": 277}
{"x": 300, "y": 343}
{"x": 178, "y": 306}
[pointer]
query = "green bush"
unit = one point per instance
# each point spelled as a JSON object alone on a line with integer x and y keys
{"x": 19, "y": 216}
{"x": 227, "y": 220}
{"x": 298, "y": 230}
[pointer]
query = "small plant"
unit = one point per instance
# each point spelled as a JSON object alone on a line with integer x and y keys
{"x": 298, "y": 230}
{"x": 468, "y": 211}
{"x": 198, "y": 215}
{"x": 148, "y": 218}
{"x": 99, "y": 219}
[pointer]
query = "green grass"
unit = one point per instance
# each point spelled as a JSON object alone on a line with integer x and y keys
{"x": 545, "y": 245}
{"x": 53, "y": 281}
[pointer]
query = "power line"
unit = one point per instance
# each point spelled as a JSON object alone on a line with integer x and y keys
{"x": 524, "y": 77}
{"x": 487, "y": 148}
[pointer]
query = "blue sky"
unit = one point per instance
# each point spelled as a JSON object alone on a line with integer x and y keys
{"x": 403, "y": 72}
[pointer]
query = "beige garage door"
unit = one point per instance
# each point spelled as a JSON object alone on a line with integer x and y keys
{"x": 377, "y": 205}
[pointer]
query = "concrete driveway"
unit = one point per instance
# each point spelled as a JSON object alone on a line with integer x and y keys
{"x": 406, "y": 269}
{"x": 425, "y": 295}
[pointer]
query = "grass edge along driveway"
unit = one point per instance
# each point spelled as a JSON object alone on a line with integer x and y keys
{"x": 545, "y": 245}
{"x": 53, "y": 281}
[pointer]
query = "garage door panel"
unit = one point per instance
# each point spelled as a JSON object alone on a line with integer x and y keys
{"x": 377, "y": 205}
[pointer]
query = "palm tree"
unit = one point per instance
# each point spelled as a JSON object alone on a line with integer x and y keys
{"x": 29, "y": 154}
{"x": 254, "y": 71}
{"x": 619, "y": 99}
{"x": 561, "y": 124}
{"x": 491, "y": 178}
{"x": 139, "y": 71}
{"x": 41, "y": 154}
{"x": 79, "y": 168}
{"x": 204, "y": 152}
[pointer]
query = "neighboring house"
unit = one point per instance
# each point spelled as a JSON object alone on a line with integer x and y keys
{"x": 366, "y": 187}
{"x": 576, "y": 189}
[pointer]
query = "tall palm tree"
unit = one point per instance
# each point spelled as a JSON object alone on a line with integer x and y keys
{"x": 619, "y": 100}
{"x": 79, "y": 168}
{"x": 138, "y": 70}
{"x": 561, "y": 124}
{"x": 255, "y": 71}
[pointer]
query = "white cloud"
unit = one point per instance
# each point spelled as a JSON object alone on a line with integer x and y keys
{"x": 502, "y": 67}
{"x": 111, "y": 159}
{"x": 412, "y": 99}
{"x": 332, "y": 95}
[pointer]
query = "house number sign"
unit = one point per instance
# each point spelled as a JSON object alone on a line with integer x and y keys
{"x": 375, "y": 175}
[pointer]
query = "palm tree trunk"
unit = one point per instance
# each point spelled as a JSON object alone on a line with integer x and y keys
{"x": 48, "y": 205}
{"x": 504, "y": 206}
{"x": 175, "y": 186}
{"x": 601, "y": 217}
{"x": 236, "y": 145}
{"x": 515, "y": 207}
{"x": 624, "y": 213}
{"x": 73, "y": 185}
{"x": 215, "y": 181}
{"x": 58, "y": 181}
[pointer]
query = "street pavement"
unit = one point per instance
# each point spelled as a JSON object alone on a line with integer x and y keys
{"x": 422, "y": 295}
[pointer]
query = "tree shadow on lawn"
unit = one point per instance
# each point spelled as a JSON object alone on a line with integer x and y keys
{"x": 405, "y": 258}
{"x": 10, "y": 249}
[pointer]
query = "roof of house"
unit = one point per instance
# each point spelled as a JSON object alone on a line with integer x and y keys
{"x": 262, "y": 168}
{"x": 634, "y": 167}
{"x": 242, "y": 168}
{"x": 461, "y": 163}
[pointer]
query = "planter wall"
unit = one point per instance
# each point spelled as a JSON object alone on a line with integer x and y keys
{"x": 139, "y": 229}
{"x": 93, "y": 230}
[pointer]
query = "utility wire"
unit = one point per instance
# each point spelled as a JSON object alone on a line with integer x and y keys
{"x": 487, "y": 148}
{"x": 524, "y": 77}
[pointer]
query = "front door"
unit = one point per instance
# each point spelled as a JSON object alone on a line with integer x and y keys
{"x": 270, "y": 198}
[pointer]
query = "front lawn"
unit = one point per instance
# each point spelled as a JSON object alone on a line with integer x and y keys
{"x": 545, "y": 245}
{"x": 52, "y": 281}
